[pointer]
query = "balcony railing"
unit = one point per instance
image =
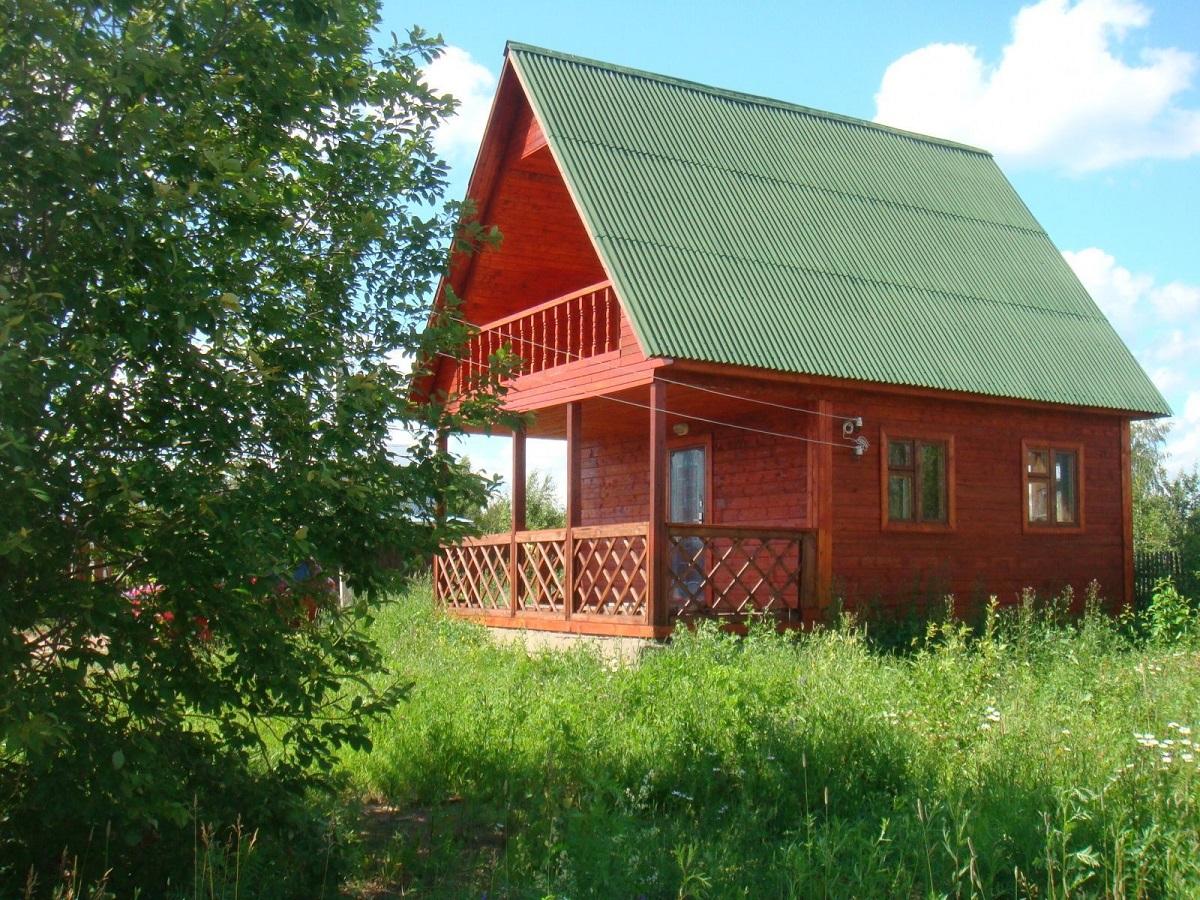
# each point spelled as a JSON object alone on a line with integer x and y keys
{"x": 602, "y": 574}
{"x": 563, "y": 330}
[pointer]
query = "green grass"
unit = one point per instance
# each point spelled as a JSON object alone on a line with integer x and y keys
{"x": 1028, "y": 758}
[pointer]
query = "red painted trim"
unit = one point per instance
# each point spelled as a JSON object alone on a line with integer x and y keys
{"x": 725, "y": 370}
{"x": 576, "y": 625}
{"x": 824, "y": 504}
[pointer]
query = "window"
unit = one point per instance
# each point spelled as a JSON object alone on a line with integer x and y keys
{"x": 1053, "y": 486}
{"x": 917, "y": 483}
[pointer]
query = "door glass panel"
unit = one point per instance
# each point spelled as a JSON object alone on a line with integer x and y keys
{"x": 689, "y": 478}
{"x": 687, "y": 485}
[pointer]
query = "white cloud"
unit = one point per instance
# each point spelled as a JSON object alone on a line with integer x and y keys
{"x": 1177, "y": 302}
{"x": 1060, "y": 95}
{"x": 1115, "y": 289}
{"x": 1148, "y": 317}
{"x": 1184, "y": 442}
{"x": 472, "y": 85}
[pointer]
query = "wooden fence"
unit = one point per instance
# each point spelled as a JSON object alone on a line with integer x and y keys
{"x": 1149, "y": 567}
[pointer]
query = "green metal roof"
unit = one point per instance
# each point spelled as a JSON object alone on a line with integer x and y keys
{"x": 743, "y": 230}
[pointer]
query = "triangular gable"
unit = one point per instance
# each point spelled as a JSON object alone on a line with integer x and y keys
{"x": 516, "y": 185}
{"x": 546, "y": 253}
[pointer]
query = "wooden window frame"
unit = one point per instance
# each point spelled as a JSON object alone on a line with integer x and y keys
{"x": 1052, "y": 527}
{"x": 917, "y": 525}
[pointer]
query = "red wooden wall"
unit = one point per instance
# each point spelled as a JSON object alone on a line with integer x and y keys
{"x": 759, "y": 479}
{"x": 988, "y": 551}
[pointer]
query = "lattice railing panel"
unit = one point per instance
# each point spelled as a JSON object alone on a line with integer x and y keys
{"x": 611, "y": 575}
{"x": 541, "y": 575}
{"x": 475, "y": 576}
{"x": 733, "y": 572}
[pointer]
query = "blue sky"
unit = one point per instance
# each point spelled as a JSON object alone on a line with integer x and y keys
{"x": 1091, "y": 108}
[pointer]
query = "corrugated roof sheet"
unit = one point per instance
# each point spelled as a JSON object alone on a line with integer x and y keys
{"x": 743, "y": 230}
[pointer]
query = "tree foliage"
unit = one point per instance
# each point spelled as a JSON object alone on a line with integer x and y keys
{"x": 1166, "y": 509}
{"x": 543, "y": 509}
{"x": 218, "y": 223}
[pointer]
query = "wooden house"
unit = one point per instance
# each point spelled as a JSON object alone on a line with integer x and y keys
{"x": 794, "y": 356}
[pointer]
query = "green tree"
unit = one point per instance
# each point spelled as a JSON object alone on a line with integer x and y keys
{"x": 543, "y": 509}
{"x": 218, "y": 223}
{"x": 1151, "y": 509}
{"x": 1166, "y": 510}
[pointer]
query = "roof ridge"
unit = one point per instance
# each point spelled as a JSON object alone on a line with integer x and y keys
{"x": 896, "y": 204}
{"x": 743, "y": 97}
{"x": 861, "y": 279}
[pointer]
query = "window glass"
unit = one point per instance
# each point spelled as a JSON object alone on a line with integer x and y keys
{"x": 916, "y": 480}
{"x": 933, "y": 482}
{"x": 900, "y": 506}
{"x": 1038, "y": 507}
{"x": 1052, "y": 485}
{"x": 900, "y": 454}
{"x": 1064, "y": 486}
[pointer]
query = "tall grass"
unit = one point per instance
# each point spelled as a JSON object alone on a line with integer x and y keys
{"x": 1030, "y": 758}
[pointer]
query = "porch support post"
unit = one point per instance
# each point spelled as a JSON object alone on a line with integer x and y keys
{"x": 824, "y": 504}
{"x": 517, "y": 495}
{"x": 658, "y": 602}
{"x": 518, "y": 479}
{"x": 574, "y": 497}
{"x": 574, "y": 458}
{"x": 439, "y": 512}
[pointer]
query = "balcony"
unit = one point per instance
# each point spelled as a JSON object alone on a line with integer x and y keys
{"x": 566, "y": 329}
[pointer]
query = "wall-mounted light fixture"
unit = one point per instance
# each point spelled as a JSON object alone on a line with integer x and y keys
{"x": 680, "y": 428}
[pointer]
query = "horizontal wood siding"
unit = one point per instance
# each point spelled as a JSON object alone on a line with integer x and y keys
{"x": 615, "y": 480}
{"x": 756, "y": 480}
{"x": 988, "y": 552}
{"x": 763, "y": 480}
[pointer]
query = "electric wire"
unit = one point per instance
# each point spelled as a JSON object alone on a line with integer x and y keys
{"x": 695, "y": 387}
{"x": 849, "y": 445}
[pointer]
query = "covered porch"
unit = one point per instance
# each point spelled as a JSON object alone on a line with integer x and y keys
{"x": 733, "y": 546}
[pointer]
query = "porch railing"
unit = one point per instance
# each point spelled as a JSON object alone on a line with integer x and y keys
{"x": 602, "y": 574}
{"x": 563, "y": 330}
{"x": 727, "y": 571}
